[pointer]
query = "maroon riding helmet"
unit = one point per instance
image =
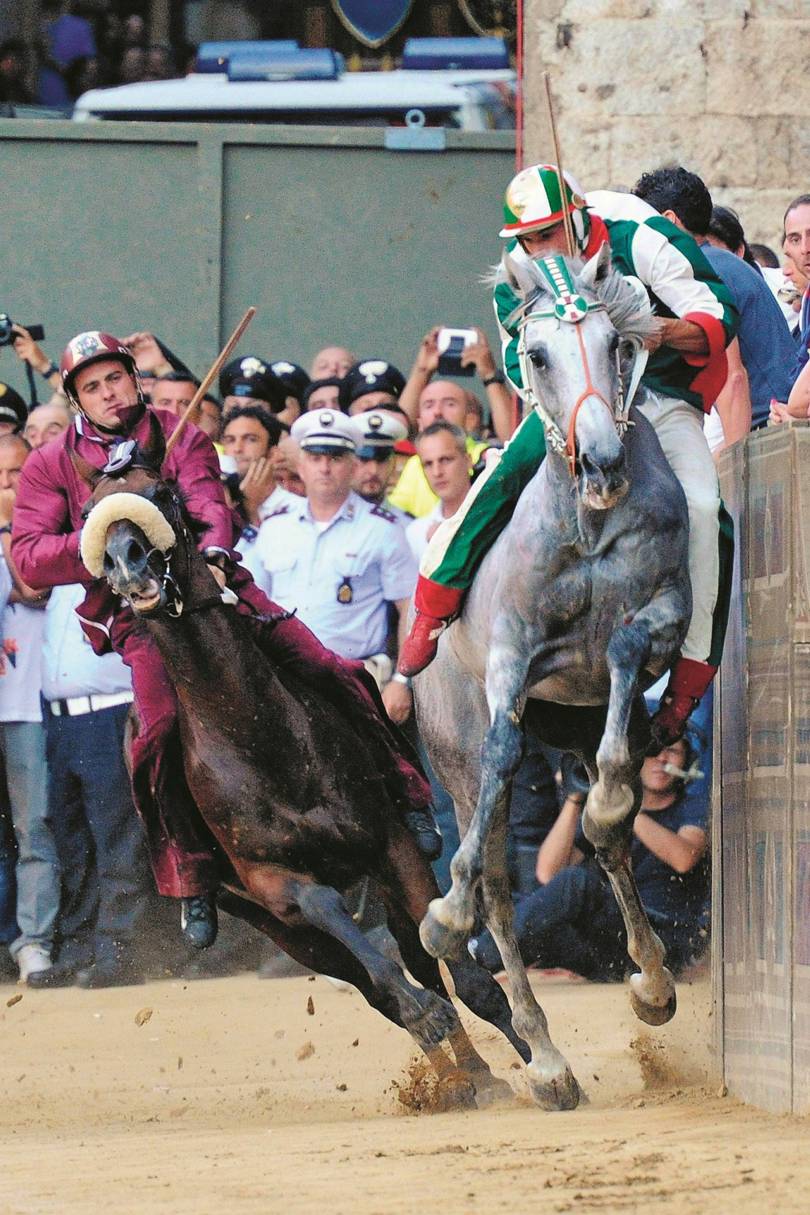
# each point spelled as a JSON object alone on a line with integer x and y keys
{"x": 92, "y": 347}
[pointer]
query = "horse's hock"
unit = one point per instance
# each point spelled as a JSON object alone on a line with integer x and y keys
{"x": 761, "y": 822}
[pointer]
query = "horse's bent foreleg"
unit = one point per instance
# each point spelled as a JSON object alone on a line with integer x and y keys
{"x": 611, "y": 798}
{"x": 449, "y": 921}
{"x": 428, "y": 1017}
{"x": 652, "y": 992}
{"x": 551, "y": 1080}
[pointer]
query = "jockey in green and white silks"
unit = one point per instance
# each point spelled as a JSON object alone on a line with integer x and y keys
{"x": 684, "y": 374}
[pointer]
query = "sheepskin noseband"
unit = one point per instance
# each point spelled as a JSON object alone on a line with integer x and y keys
{"x": 112, "y": 509}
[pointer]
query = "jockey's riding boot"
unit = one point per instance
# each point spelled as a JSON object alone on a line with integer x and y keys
{"x": 198, "y": 919}
{"x": 688, "y": 681}
{"x": 422, "y": 827}
{"x": 436, "y": 605}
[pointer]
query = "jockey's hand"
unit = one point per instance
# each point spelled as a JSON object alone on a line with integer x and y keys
{"x": 26, "y": 348}
{"x": 479, "y": 356}
{"x": 655, "y": 339}
{"x": 398, "y": 701}
{"x": 219, "y": 575}
{"x": 778, "y": 414}
{"x": 147, "y": 354}
{"x": 257, "y": 484}
{"x": 427, "y": 360}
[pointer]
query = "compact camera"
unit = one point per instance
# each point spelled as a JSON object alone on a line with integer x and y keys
{"x": 451, "y": 344}
{"x": 7, "y": 334}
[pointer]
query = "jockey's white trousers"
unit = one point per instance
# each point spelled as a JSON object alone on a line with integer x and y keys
{"x": 680, "y": 432}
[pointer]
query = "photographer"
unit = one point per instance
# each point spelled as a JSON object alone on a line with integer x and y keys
{"x": 479, "y": 356}
{"x": 28, "y": 351}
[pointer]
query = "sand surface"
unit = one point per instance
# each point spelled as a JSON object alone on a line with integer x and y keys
{"x": 229, "y": 1096}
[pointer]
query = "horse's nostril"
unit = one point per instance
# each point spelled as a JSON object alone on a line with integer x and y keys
{"x": 108, "y": 563}
{"x": 588, "y": 466}
{"x": 134, "y": 552}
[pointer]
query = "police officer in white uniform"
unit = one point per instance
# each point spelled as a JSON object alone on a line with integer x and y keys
{"x": 374, "y": 467}
{"x": 337, "y": 560}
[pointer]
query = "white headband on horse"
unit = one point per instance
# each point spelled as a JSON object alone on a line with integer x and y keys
{"x": 113, "y": 509}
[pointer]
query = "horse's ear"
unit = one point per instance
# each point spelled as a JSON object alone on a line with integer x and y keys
{"x": 599, "y": 267}
{"x": 520, "y": 275}
{"x": 87, "y": 471}
{"x": 153, "y": 451}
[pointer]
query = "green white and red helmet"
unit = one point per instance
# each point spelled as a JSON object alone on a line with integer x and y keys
{"x": 532, "y": 202}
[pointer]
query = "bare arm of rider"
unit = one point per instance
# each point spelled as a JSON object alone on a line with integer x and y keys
{"x": 397, "y": 697}
{"x": 734, "y": 402}
{"x": 681, "y": 850}
{"x": 685, "y": 336}
{"x": 557, "y": 850}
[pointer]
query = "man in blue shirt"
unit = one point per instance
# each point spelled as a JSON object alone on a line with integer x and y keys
{"x": 573, "y": 920}
{"x": 766, "y": 347}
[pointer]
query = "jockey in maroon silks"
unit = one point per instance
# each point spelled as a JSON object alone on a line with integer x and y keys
{"x": 101, "y": 381}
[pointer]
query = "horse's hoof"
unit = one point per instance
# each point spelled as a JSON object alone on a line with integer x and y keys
{"x": 553, "y": 1091}
{"x": 490, "y": 1090}
{"x": 656, "y": 1012}
{"x": 440, "y": 938}
{"x": 437, "y": 1019}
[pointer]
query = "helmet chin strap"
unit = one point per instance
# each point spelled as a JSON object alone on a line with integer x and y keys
{"x": 131, "y": 415}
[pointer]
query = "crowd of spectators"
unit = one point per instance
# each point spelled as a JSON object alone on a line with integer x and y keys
{"x": 80, "y": 47}
{"x": 339, "y": 475}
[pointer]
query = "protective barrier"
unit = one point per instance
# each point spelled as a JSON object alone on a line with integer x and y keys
{"x": 761, "y": 826}
{"x": 178, "y": 227}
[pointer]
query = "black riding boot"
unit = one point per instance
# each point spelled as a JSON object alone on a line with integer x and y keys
{"x": 422, "y": 827}
{"x": 198, "y": 919}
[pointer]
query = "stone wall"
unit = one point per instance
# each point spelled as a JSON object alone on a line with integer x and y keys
{"x": 717, "y": 85}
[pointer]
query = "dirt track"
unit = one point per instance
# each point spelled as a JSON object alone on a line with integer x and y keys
{"x": 230, "y": 1097}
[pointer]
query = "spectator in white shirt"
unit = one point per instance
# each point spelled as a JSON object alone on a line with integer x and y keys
{"x": 99, "y": 837}
{"x": 443, "y": 450}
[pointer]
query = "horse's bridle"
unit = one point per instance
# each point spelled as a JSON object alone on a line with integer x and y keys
{"x": 570, "y": 308}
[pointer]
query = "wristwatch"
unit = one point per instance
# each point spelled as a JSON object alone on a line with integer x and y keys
{"x": 49, "y": 371}
{"x": 5, "y": 530}
{"x": 497, "y": 377}
{"x": 398, "y": 677}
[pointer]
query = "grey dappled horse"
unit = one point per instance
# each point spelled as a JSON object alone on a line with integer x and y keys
{"x": 581, "y": 602}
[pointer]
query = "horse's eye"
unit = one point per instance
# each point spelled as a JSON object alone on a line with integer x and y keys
{"x": 627, "y": 351}
{"x": 537, "y": 359}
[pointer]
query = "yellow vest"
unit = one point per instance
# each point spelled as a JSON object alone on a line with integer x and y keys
{"x": 412, "y": 492}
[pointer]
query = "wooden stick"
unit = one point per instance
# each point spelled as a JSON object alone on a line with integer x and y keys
{"x": 213, "y": 372}
{"x": 568, "y": 226}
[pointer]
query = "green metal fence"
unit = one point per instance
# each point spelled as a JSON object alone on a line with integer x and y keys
{"x": 179, "y": 227}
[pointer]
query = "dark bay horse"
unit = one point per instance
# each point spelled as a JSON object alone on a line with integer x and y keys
{"x": 287, "y": 786}
{"x": 582, "y": 601}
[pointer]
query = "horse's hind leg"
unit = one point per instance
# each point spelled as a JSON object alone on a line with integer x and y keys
{"x": 449, "y": 921}
{"x": 551, "y": 1081}
{"x": 609, "y": 814}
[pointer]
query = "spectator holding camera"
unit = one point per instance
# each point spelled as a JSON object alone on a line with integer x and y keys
{"x": 477, "y": 355}
{"x": 31, "y": 352}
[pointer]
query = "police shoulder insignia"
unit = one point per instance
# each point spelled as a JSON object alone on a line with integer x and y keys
{"x": 382, "y": 513}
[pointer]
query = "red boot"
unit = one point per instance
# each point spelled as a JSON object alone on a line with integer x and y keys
{"x": 436, "y": 605}
{"x": 688, "y": 681}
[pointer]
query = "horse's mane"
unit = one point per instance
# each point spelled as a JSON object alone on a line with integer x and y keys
{"x": 626, "y": 303}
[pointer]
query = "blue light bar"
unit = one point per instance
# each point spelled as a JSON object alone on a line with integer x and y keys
{"x": 214, "y": 56}
{"x": 431, "y": 54}
{"x": 278, "y": 64}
